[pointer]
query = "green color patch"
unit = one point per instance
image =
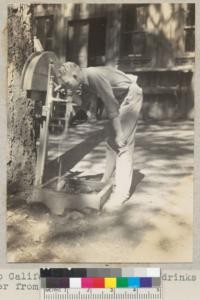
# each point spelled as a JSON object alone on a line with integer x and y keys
{"x": 122, "y": 282}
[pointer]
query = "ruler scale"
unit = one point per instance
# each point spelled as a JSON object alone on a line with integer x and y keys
{"x": 101, "y": 284}
{"x": 102, "y": 294}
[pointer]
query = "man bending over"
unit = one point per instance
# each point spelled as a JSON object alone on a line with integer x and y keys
{"x": 122, "y": 98}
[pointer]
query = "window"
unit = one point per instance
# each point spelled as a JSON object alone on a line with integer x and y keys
{"x": 133, "y": 29}
{"x": 87, "y": 41}
{"x": 190, "y": 28}
{"x": 97, "y": 41}
{"x": 44, "y": 31}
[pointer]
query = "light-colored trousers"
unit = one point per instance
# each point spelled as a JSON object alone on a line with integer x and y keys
{"x": 122, "y": 160}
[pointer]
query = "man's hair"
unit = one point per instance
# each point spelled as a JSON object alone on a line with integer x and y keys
{"x": 68, "y": 68}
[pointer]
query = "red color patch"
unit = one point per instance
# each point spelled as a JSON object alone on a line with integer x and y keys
{"x": 98, "y": 282}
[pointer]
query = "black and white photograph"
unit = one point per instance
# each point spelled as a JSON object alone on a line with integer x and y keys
{"x": 100, "y": 132}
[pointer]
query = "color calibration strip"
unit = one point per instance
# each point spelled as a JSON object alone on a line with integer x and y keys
{"x": 100, "y": 278}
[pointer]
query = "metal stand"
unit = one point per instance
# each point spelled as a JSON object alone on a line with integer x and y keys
{"x": 42, "y": 192}
{"x": 44, "y": 130}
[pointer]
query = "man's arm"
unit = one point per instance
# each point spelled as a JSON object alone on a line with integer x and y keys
{"x": 89, "y": 104}
{"x": 104, "y": 91}
{"x": 119, "y": 136}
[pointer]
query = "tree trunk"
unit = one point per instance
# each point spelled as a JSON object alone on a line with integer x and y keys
{"x": 20, "y": 109}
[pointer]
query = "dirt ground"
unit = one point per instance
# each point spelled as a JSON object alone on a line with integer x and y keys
{"x": 155, "y": 225}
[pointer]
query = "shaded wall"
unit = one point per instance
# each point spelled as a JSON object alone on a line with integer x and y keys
{"x": 165, "y": 33}
{"x": 164, "y": 65}
{"x": 160, "y": 30}
{"x": 162, "y": 26}
{"x": 156, "y": 44}
{"x": 74, "y": 39}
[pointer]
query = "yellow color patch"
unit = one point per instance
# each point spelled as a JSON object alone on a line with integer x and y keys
{"x": 110, "y": 282}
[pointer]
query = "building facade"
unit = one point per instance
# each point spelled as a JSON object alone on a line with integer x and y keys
{"x": 154, "y": 41}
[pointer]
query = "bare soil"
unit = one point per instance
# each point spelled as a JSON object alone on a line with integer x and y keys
{"x": 155, "y": 225}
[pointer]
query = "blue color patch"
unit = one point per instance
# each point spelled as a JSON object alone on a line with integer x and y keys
{"x": 134, "y": 282}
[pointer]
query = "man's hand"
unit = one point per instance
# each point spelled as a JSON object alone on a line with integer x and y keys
{"x": 120, "y": 140}
{"x": 91, "y": 117}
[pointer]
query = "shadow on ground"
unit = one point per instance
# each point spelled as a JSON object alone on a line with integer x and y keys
{"x": 154, "y": 225}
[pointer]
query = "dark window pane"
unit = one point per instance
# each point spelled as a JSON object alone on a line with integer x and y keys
{"x": 44, "y": 31}
{"x": 129, "y": 17}
{"x": 134, "y": 43}
{"x": 139, "y": 43}
{"x": 97, "y": 37}
{"x": 126, "y": 43}
{"x": 141, "y": 16}
{"x": 48, "y": 44}
{"x": 189, "y": 40}
{"x": 48, "y": 26}
{"x": 190, "y": 16}
{"x": 133, "y": 27}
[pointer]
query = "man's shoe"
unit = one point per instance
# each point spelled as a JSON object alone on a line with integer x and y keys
{"x": 115, "y": 202}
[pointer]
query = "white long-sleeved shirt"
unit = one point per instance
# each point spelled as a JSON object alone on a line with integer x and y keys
{"x": 110, "y": 84}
